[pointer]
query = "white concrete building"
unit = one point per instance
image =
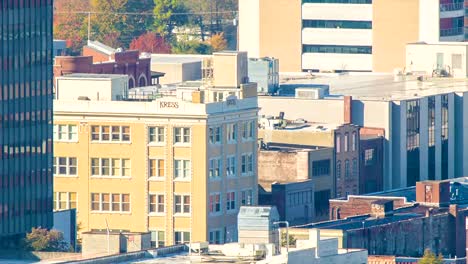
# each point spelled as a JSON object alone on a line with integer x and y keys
{"x": 424, "y": 121}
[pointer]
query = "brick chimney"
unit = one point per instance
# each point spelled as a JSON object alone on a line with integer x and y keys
{"x": 348, "y": 101}
{"x": 433, "y": 193}
{"x": 381, "y": 208}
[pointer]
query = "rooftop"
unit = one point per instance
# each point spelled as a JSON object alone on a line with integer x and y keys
{"x": 176, "y": 59}
{"x": 101, "y": 47}
{"x": 383, "y": 87}
{"x": 92, "y": 76}
{"x": 282, "y": 147}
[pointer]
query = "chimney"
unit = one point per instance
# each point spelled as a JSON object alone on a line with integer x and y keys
{"x": 348, "y": 100}
{"x": 433, "y": 193}
{"x": 381, "y": 208}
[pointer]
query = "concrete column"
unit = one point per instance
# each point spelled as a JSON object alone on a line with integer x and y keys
{"x": 451, "y": 146}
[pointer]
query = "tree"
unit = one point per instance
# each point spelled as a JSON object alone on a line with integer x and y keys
{"x": 70, "y": 25}
{"x": 167, "y": 15}
{"x": 292, "y": 240}
{"x": 217, "y": 42}
{"x": 107, "y": 23}
{"x": 430, "y": 258}
{"x": 152, "y": 43}
{"x": 41, "y": 239}
{"x": 191, "y": 46}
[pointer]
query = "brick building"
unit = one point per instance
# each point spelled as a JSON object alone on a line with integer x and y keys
{"x": 371, "y": 160}
{"x": 403, "y": 222}
{"x": 101, "y": 59}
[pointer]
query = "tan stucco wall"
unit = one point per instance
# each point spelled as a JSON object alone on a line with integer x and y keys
{"x": 280, "y": 32}
{"x": 395, "y": 23}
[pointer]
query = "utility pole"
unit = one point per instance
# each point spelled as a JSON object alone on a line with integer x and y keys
{"x": 89, "y": 25}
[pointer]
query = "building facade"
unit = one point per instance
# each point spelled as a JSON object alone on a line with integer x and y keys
{"x": 347, "y": 35}
{"x": 265, "y": 72}
{"x": 25, "y": 117}
{"x": 179, "y": 163}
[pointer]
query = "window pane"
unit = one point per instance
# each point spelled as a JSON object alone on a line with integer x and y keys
{"x": 94, "y": 132}
{"x": 105, "y": 202}
{"x": 115, "y": 133}
{"x": 115, "y": 202}
{"x": 105, "y": 167}
{"x": 116, "y": 167}
{"x": 126, "y": 164}
{"x": 105, "y": 133}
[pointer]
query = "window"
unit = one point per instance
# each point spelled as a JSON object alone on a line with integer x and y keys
{"x": 156, "y": 203}
{"x": 215, "y": 203}
{"x": 321, "y": 167}
{"x": 247, "y": 164}
{"x": 156, "y": 134}
{"x": 65, "y": 133}
{"x": 110, "y": 202}
{"x": 346, "y": 169}
{"x": 248, "y": 130}
{"x": 231, "y": 132}
{"x": 65, "y": 166}
{"x": 369, "y": 157}
{"x": 182, "y": 237}
{"x": 182, "y": 135}
{"x": 157, "y": 239}
{"x": 321, "y": 202}
{"x": 231, "y": 166}
{"x": 182, "y": 204}
{"x": 182, "y": 169}
{"x": 215, "y": 168}
{"x": 156, "y": 168}
{"x": 215, "y": 237}
{"x": 456, "y": 61}
{"x": 110, "y": 167}
{"x": 230, "y": 201}
{"x": 353, "y": 141}
{"x": 308, "y": 23}
{"x": 338, "y": 143}
{"x": 338, "y": 169}
{"x": 337, "y": 49}
{"x": 218, "y": 96}
{"x": 346, "y": 142}
{"x": 355, "y": 168}
{"x": 214, "y": 134}
{"x": 110, "y": 133}
{"x": 246, "y": 197}
{"x": 64, "y": 200}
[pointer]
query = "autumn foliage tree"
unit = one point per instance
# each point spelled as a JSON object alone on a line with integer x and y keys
{"x": 152, "y": 43}
{"x": 218, "y": 42}
{"x": 69, "y": 24}
{"x": 41, "y": 239}
{"x": 430, "y": 258}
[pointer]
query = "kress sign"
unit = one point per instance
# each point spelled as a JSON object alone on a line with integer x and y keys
{"x": 168, "y": 104}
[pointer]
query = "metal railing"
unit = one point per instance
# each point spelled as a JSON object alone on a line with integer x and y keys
{"x": 451, "y": 7}
{"x": 452, "y": 32}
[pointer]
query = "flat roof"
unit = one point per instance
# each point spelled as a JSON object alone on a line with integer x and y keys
{"x": 176, "y": 59}
{"x": 382, "y": 87}
{"x": 443, "y": 43}
{"x": 274, "y": 146}
{"x": 91, "y": 76}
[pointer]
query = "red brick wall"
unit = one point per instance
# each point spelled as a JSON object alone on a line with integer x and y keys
{"x": 358, "y": 206}
{"x": 372, "y": 259}
{"x": 97, "y": 56}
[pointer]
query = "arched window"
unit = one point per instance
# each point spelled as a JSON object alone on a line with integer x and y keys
{"x": 142, "y": 81}
{"x": 346, "y": 169}
{"x": 353, "y": 141}
{"x": 346, "y": 142}
{"x": 338, "y": 169}
{"x": 131, "y": 82}
{"x": 355, "y": 168}
{"x": 338, "y": 143}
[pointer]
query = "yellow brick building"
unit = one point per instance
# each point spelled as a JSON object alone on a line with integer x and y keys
{"x": 178, "y": 162}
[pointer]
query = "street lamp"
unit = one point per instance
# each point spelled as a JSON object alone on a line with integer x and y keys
{"x": 287, "y": 233}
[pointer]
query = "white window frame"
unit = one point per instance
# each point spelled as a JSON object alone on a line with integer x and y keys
{"x": 157, "y": 135}
{"x": 158, "y": 239}
{"x": 183, "y": 241}
{"x": 70, "y": 133}
{"x": 68, "y": 200}
{"x": 56, "y": 167}
{"x": 215, "y": 168}
{"x": 111, "y": 203}
{"x": 184, "y": 133}
{"x": 182, "y": 205}
{"x": 245, "y": 196}
{"x": 111, "y": 133}
{"x": 157, "y": 169}
{"x": 231, "y": 133}
{"x": 215, "y": 134}
{"x": 186, "y": 170}
{"x": 111, "y": 167}
{"x": 157, "y": 211}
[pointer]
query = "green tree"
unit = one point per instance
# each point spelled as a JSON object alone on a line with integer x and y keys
{"x": 167, "y": 15}
{"x": 70, "y": 25}
{"x": 107, "y": 24}
{"x": 430, "y": 258}
{"x": 191, "y": 46}
{"x": 41, "y": 239}
{"x": 292, "y": 240}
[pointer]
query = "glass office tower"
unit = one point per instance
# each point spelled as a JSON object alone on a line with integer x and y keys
{"x": 25, "y": 117}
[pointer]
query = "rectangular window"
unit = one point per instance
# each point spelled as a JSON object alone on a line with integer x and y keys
{"x": 156, "y": 168}
{"x": 215, "y": 168}
{"x": 353, "y": 141}
{"x": 157, "y": 239}
{"x": 346, "y": 142}
{"x": 214, "y": 134}
{"x": 246, "y": 197}
{"x": 114, "y": 167}
{"x": 230, "y": 201}
{"x": 64, "y": 200}
{"x": 231, "y": 132}
{"x": 321, "y": 167}
{"x": 215, "y": 237}
{"x": 231, "y": 166}
{"x": 182, "y": 135}
{"x": 244, "y": 164}
{"x": 248, "y": 130}
{"x": 182, "y": 169}
{"x": 110, "y": 133}
{"x": 344, "y": 49}
{"x": 157, "y": 203}
{"x": 65, "y": 166}
{"x": 308, "y": 23}
{"x": 156, "y": 134}
{"x": 65, "y": 133}
{"x": 338, "y": 143}
{"x": 182, "y": 204}
{"x": 181, "y": 237}
{"x": 215, "y": 203}
{"x": 369, "y": 157}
